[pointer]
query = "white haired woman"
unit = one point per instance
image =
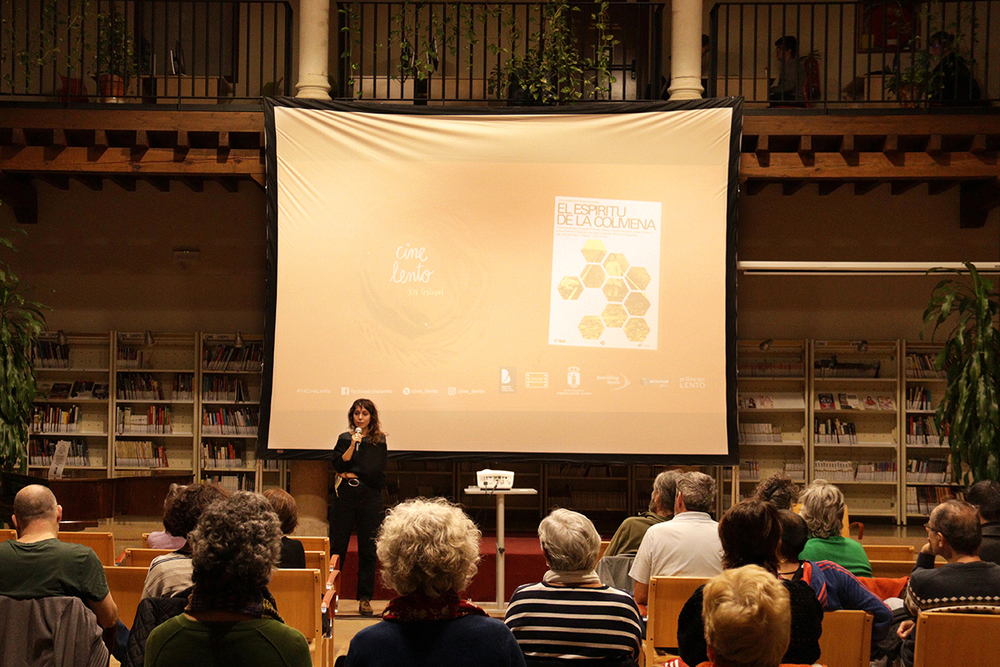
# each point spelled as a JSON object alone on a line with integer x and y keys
{"x": 230, "y": 618}
{"x": 570, "y": 617}
{"x": 823, "y": 507}
{"x": 429, "y": 550}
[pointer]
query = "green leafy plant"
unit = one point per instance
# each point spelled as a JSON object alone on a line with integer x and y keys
{"x": 971, "y": 358}
{"x": 51, "y": 33}
{"x": 21, "y": 321}
{"x": 115, "y": 52}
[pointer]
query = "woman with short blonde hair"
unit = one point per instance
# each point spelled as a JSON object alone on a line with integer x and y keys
{"x": 429, "y": 551}
{"x": 823, "y": 508}
{"x": 747, "y": 616}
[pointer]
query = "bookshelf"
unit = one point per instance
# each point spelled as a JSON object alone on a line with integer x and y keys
{"x": 927, "y": 478}
{"x": 772, "y": 417}
{"x": 73, "y": 373}
{"x": 854, "y": 412}
{"x": 154, "y": 404}
{"x": 229, "y": 413}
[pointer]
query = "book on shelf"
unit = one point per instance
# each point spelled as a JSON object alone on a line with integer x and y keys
{"x": 233, "y": 481}
{"x": 923, "y": 499}
{"x": 43, "y": 389}
{"x": 772, "y": 367}
{"x": 918, "y": 398}
{"x": 230, "y": 421}
{"x": 249, "y": 357}
{"x": 82, "y": 389}
{"x": 886, "y": 402}
{"x": 770, "y": 401}
{"x": 923, "y": 430}
{"x": 826, "y": 402}
{"x": 223, "y": 455}
{"x": 848, "y": 401}
{"x": 140, "y": 454}
{"x": 49, "y": 354}
{"x": 100, "y": 391}
{"x": 928, "y": 471}
{"x": 869, "y": 402}
{"x": 222, "y": 388}
{"x": 154, "y": 419}
{"x": 834, "y": 432}
{"x": 752, "y": 434}
{"x": 41, "y": 451}
{"x": 60, "y": 390}
{"x": 55, "y": 419}
{"x": 128, "y": 358}
{"x": 833, "y": 368}
{"x": 923, "y": 366}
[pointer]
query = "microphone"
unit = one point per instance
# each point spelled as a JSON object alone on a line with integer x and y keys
{"x": 357, "y": 431}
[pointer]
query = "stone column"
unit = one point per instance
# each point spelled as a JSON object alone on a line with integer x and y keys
{"x": 309, "y": 487}
{"x": 314, "y": 47}
{"x": 685, "y": 50}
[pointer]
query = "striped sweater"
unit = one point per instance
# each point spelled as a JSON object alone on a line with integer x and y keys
{"x": 557, "y": 622}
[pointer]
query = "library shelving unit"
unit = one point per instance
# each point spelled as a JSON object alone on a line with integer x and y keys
{"x": 927, "y": 477}
{"x": 155, "y": 399}
{"x": 73, "y": 373}
{"x": 855, "y": 418}
{"x": 430, "y": 479}
{"x": 599, "y": 491}
{"x": 772, "y": 417}
{"x": 229, "y": 414}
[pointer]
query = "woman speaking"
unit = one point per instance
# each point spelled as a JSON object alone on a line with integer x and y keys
{"x": 359, "y": 459}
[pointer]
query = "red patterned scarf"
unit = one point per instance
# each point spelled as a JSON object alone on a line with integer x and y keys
{"x": 419, "y": 606}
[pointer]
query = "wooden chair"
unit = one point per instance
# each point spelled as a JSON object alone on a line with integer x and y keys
{"x": 846, "y": 639}
{"x": 891, "y": 568}
{"x": 316, "y": 560}
{"x": 103, "y": 544}
{"x": 328, "y": 613}
{"x": 667, "y": 596}
{"x": 125, "y": 584}
{"x": 890, "y": 552}
{"x": 299, "y": 594}
{"x": 956, "y": 639}
{"x": 604, "y": 547}
{"x": 143, "y": 557}
{"x": 145, "y": 540}
{"x": 311, "y": 543}
{"x": 7, "y": 534}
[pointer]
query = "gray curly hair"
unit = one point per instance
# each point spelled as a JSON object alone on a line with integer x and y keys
{"x": 569, "y": 540}
{"x": 428, "y": 545}
{"x": 823, "y": 508}
{"x": 235, "y": 545}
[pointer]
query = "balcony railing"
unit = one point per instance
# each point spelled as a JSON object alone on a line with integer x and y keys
{"x": 145, "y": 51}
{"x": 863, "y": 54}
{"x": 505, "y": 53}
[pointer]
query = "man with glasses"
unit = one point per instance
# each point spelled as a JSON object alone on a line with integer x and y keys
{"x": 965, "y": 583}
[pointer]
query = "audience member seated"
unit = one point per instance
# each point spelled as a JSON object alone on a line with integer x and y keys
{"x": 985, "y": 497}
{"x": 38, "y": 565}
{"x": 293, "y": 554}
{"x": 429, "y": 550}
{"x": 835, "y": 587}
{"x": 161, "y": 539}
{"x": 750, "y": 532}
{"x": 628, "y": 537}
{"x": 571, "y": 618}
{"x": 687, "y": 545}
{"x": 823, "y": 508}
{"x": 964, "y": 583}
{"x": 171, "y": 573}
{"x": 230, "y": 618}
{"x": 779, "y": 490}
{"x": 790, "y": 84}
{"x": 747, "y": 619}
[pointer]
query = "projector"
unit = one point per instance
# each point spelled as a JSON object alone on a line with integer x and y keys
{"x": 495, "y": 479}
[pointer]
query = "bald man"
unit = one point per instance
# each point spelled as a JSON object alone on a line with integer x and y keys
{"x": 38, "y": 565}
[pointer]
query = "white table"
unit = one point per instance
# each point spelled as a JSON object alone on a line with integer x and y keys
{"x": 500, "y": 495}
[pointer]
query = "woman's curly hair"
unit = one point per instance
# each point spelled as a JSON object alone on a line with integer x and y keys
{"x": 779, "y": 490}
{"x": 428, "y": 545}
{"x": 182, "y": 509}
{"x": 235, "y": 545}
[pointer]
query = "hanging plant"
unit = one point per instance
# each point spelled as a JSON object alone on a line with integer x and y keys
{"x": 968, "y": 411}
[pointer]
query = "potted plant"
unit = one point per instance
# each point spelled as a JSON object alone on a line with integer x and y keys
{"x": 116, "y": 60}
{"x": 54, "y": 36}
{"x": 968, "y": 410}
{"x": 21, "y": 321}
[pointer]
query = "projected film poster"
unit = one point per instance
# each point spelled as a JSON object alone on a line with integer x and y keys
{"x": 605, "y": 273}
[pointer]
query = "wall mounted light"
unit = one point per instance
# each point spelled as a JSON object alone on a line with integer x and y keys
{"x": 238, "y": 341}
{"x": 61, "y": 337}
{"x": 766, "y": 345}
{"x": 862, "y": 346}
{"x": 150, "y": 342}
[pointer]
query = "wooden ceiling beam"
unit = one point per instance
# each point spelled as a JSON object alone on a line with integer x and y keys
{"x": 869, "y": 166}
{"x": 155, "y": 161}
{"x": 133, "y": 119}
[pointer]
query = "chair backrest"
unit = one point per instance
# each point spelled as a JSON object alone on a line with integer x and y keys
{"x": 604, "y": 547}
{"x": 103, "y": 544}
{"x": 316, "y": 560}
{"x": 7, "y": 534}
{"x": 891, "y": 568}
{"x": 298, "y": 594}
{"x": 847, "y": 638}
{"x": 125, "y": 584}
{"x": 945, "y": 638}
{"x": 145, "y": 540}
{"x": 143, "y": 557}
{"x": 667, "y": 596}
{"x": 890, "y": 552}
{"x": 312, "y": 543}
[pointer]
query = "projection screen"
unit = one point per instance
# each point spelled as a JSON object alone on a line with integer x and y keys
{"x": 552, "y": 283}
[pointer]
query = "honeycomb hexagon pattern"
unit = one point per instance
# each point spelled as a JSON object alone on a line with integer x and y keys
{"x": 594, "y": 250}
{"x": 636, "y": 329}
{"x": 591, "y": 327}
{"x": 593, "y": 275}
{"x": 615, "y": 290}
{"x": 570, "y": 288}
{"x": 614, "y": 315}
{"x": 637, "y": 304}
{"x": 615, "y": 264}
{"x": 637, "y": 278}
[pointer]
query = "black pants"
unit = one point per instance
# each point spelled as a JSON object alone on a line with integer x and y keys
{"x": 357, "y": 508}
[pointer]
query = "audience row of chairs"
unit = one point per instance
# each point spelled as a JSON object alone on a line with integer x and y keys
{"x": 306, "y": 599}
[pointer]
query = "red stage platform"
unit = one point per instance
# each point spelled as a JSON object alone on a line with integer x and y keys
{"x": 524, "y": 559}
